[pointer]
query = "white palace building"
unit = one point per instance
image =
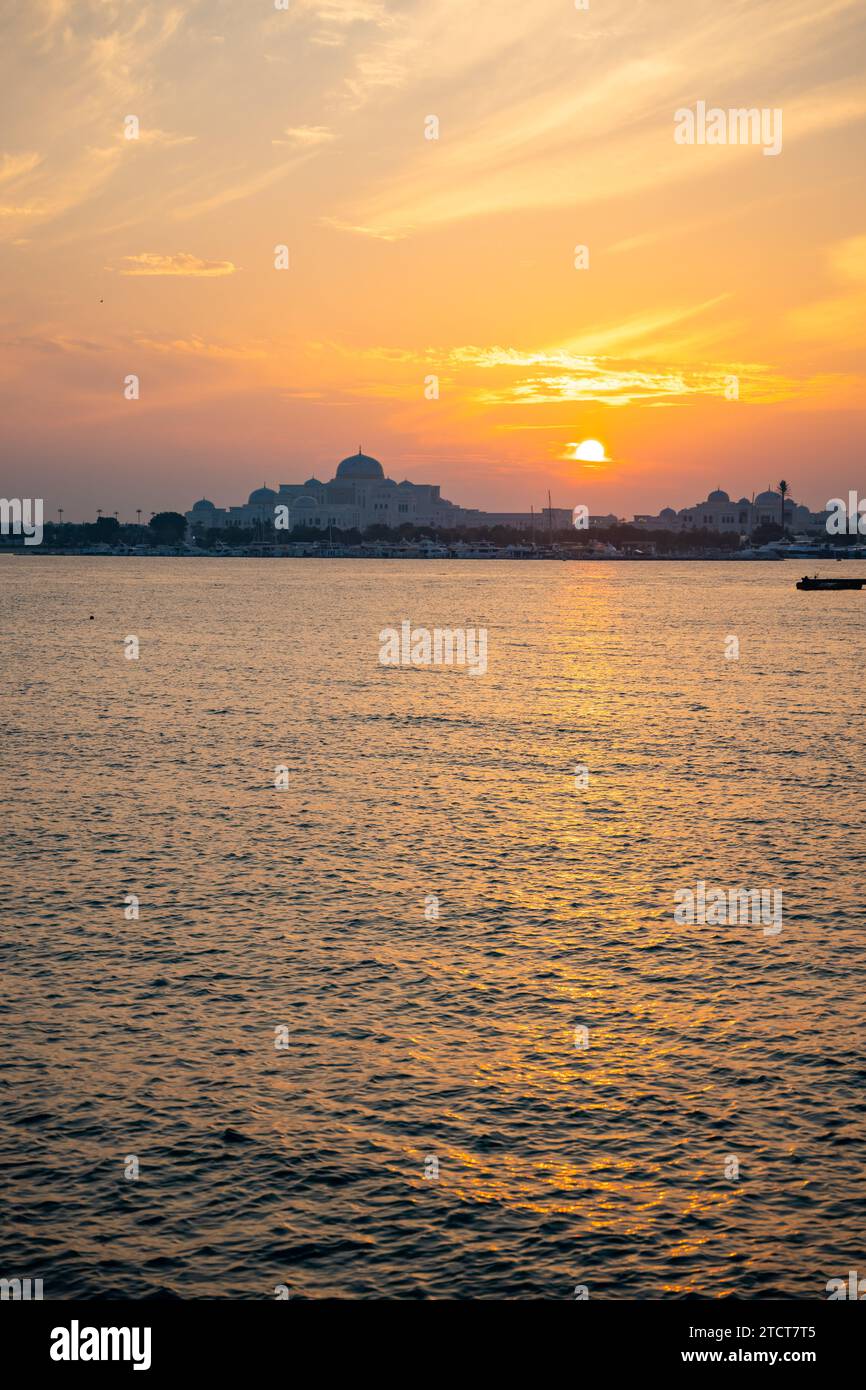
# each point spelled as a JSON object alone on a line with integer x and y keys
{"x": 360, "y": 495}
{"x": 720, "y": 513}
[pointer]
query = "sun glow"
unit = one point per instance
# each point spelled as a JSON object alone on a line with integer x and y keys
{"x": 590, "y": 451}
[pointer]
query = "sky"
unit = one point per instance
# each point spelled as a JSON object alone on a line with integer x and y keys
{"x": 710, "y": 335}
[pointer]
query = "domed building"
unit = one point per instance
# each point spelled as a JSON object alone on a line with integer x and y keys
{"x": 722, "y": 515}
{"x": 203, "y": 515}
{"x": 359, "y": 495}
{"x": 718, "y": 513}
{"x": 768, "y": 508}
{"x": 359, "y": 467}
{"x": 263, "y": 496}
{"x": 259, "y": 509}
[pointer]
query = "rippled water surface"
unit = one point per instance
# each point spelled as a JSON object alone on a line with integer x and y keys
{"x": 412, "y": 1039}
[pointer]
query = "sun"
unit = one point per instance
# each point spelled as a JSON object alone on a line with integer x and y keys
{"x": 590, "y": 451}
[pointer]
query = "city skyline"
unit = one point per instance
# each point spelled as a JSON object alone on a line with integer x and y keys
{"x": 144, "y": 202}
{"x": 536, "y": 503}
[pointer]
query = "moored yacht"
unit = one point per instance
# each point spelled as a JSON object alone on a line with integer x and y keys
{"x": 815, "y": 581}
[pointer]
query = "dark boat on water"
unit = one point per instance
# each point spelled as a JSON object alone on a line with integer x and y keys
{"x": 814, "y": 581}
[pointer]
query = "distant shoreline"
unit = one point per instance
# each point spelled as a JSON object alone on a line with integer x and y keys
{"x": 167, "y": 554}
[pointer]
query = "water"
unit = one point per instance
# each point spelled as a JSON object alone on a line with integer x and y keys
{"x": 409, "y": 1038}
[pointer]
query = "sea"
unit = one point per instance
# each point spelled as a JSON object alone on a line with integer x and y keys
{"x": 328, "y": 977}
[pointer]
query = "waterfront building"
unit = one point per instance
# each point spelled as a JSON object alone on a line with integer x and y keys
{"x": 725, "y": 516}
{"x": 359, "y": 495}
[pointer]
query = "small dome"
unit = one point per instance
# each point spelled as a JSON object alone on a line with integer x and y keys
{"x": 203, "y": 505}
{"x": 667, "y": 511}
{"x": 765, "y": 498}
{"x": 718, "y": 496}
{"x": 261, "y": 495}
{"x": 360, "y": 467}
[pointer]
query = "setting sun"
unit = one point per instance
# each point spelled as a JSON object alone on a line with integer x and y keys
{"x": 590, "y": 451}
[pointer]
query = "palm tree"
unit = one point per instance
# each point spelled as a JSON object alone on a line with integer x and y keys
{"x": 783, "y": 489}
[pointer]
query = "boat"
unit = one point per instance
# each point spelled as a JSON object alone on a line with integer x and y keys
{"x": 814, "y": 581}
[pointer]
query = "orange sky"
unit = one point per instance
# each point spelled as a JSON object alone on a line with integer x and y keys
{"x": 412, "y": 257}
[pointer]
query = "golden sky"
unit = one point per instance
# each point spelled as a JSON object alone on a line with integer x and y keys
{"x": 411, "y": 257}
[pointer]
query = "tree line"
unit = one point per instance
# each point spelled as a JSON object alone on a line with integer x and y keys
{"x": 169, "y": 528}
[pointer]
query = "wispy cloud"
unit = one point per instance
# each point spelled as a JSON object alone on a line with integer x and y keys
{"x": 333, "y": 19}
{"x": 164, "y": 139}
{"x": 518, "y": 142}
{"x": 355, "y": 230}
{"x": 607, "y": 384}
{"x": 453, "y": 257}
{"x": 51, "y": 343}
{"x": 180, "y": 263}
{"x": 305, "y": 136}
{"x": 13, "y": 166}
{"x": 561, "y": 375}
{"x": 233, "y": 191}
{"x": 565, "y": 376}
{"x": 199, "y": 347}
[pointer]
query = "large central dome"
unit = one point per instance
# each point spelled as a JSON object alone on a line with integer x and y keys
{"x": 262, "y": 497}
{"x": 360, "y": 466}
